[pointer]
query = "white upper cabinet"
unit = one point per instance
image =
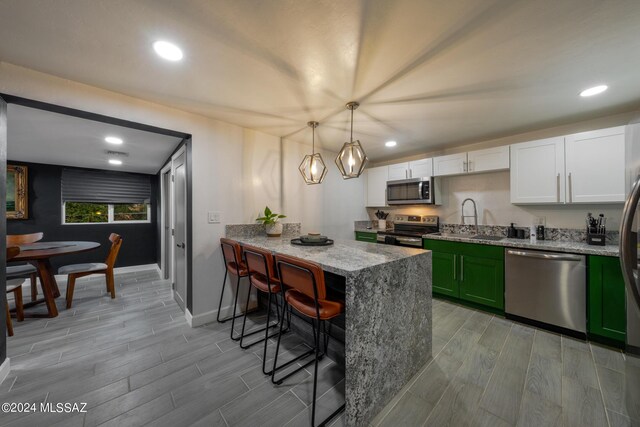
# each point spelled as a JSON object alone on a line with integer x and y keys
{"x": 490, "y": 159}
{"x": 377, "y": 186}
{"x": 415, "y": 169}
{"x": 399, "y": 171}
{"x": 421, "y": 168}
{"x": 537, "y": 171}
{"x": 595, "y": 166}
{"x": 453, "y": 164}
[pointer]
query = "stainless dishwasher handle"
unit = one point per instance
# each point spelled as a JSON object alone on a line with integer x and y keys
{"x": 539, "y": 255}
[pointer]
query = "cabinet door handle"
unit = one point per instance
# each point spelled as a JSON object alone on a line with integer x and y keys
{"x": 455, "y": 267}
{"x": 462, "y": 268}
{"x": 464, "y": 166}
{"x": 570, "y": 189}
{"x": 558, "y": 191}
{"x": 469, "y": 166}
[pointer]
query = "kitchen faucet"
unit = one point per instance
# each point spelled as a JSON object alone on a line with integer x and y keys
{"x": 475, "y": 213}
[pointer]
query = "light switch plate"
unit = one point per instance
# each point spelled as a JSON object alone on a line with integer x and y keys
{"x": 213, "y": 217}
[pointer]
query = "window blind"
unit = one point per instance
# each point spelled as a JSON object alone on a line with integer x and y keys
{"x": 94, "y": 186}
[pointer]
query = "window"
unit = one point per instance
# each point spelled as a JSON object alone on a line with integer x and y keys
{"x": 105, "y": 213}
{"x": 130, "y": 212}
{"x": 105, "y": 197}
{"x": 84, "y": 213}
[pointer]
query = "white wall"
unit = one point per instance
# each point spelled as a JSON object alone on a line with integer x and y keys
{"x": 229, "y": 170}
{"x": 492, "y": 195}
{"x": 329, "y": 208}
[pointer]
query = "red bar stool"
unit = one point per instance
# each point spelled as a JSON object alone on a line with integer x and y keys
{"x": 232, "y": 256}
{"x": 263, "y": 277}
{"x": 307, "y": 294}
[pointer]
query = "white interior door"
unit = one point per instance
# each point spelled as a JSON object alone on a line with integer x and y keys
{"x": 180, "y": 228}
{"x": 167, "y": 241}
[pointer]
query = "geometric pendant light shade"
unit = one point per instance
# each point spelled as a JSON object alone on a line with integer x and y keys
{"x": 352, "y": 159}
{"x": 312, "y": 168}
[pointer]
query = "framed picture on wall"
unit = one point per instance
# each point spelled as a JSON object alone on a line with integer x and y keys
{"x": 17, "y": 192}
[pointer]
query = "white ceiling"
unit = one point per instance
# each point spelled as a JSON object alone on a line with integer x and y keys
{"x": 39, "y": 136}
{"x": 428, "y": 73}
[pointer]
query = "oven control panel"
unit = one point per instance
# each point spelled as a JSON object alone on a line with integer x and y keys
{"x": 431, "y": 220}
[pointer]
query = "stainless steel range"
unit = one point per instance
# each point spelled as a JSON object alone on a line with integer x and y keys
{"x": 409, "y": 229}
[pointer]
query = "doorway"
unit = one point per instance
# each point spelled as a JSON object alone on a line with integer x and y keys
{"x": 179, "y": 221}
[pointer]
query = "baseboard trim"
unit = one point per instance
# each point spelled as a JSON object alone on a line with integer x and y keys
{"x": 211, "y": 316}
{"x": 5, "y": 368}
{"x": 121, "y": 270}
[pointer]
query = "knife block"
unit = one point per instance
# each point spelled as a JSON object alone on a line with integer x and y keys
{"x": 596, "y": 239}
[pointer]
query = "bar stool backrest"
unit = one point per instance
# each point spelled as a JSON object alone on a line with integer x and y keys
{"x": 21, "y": 239}
{"x": 231, "y": 252}
{"x": 259, "y": 261}
{"x": 304, "y": 276}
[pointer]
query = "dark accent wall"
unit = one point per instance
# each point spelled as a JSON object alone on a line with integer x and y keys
{"x": 140, "y": 241}
{"x": 3, "y": 226}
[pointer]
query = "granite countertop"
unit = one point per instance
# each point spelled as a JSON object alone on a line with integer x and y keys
{"x": 548, "y": 245}
{"x": 371, "y": 230}
{"x": 344, "y": 257}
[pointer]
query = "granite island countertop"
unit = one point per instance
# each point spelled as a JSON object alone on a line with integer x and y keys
{"x": 344, "y": 257}
{"x": 543, "y": 245}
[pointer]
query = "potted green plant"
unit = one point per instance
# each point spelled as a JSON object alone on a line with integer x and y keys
{"x": 272, "y": 226}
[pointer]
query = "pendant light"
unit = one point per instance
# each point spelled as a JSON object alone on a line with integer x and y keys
{"x": 312, "y": 168}
{"x": 352, "y": 159}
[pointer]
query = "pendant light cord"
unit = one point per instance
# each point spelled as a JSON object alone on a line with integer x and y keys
{"x": 313, "y": 141}
{"x": 351, "y": 140}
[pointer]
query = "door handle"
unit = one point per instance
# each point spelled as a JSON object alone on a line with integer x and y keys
{"x": 542, "y": 255}
{"x": 455, "y": 267}
{"x": 629, "y": 243}
{"x": 462, "y": 268}
{"x": 181, "y": 245}
{"x": 570, "y": 189}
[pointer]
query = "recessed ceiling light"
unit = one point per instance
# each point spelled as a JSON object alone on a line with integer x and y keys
{"x": 115, "y": 162}
{"x": 168, "y": 51}
{"x": 390, "y": 143}
{"x": 114, "y": 140}
{"x": 594, "y": 90}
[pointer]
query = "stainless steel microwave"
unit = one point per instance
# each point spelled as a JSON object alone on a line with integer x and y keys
{"x": 412, "y": 191}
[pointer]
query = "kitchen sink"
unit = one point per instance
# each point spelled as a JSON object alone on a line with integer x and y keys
{"x": 485, "y": 237}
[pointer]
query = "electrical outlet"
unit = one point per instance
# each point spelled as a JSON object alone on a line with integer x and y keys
{"x": 213, "y": 217}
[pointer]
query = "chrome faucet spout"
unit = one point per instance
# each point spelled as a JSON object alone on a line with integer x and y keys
{"x": 475, "y": 213}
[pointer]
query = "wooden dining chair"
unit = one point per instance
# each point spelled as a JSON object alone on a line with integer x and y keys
{"x": 14, "y": 286}
{"x": 24, "y": 270}
{"x": 80, "y": 270}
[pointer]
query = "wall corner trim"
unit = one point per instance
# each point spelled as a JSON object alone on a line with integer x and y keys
{"x": 5, "y": 368}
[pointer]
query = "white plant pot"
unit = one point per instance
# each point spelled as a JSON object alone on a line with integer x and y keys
{"x": 382, "y": 224}
{"x": 274, "y": 230}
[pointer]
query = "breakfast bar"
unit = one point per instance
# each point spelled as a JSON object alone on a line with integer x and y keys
{"x": 387, "y": 315}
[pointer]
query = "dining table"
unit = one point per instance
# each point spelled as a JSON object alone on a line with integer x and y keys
{"x": 40, "y": 254}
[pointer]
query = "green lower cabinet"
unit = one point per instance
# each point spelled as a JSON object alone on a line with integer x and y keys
{"x": 607, "y": 306}
{"x": 468, "y": 272}
{"x": 364, "y": 236}
{"x": 482, "y": 281}
{"x": 444, "y": 274}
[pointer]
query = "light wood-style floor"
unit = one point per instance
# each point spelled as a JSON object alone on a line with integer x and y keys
{"x": 135, "y": 361}
{"x": 488, "y": 371}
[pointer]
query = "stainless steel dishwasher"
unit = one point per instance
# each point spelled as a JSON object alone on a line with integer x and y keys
{"x": 549, "y": 287}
